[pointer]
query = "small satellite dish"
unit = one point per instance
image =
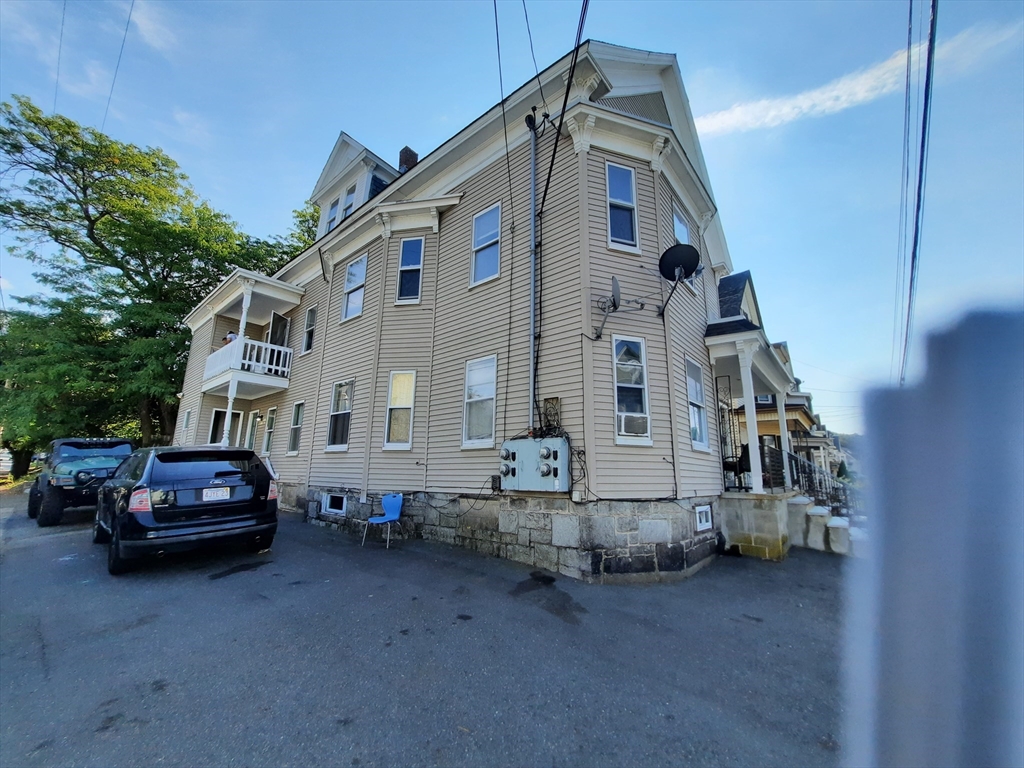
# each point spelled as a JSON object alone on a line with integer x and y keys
{"x": 616, "y": 294}
{"x": 679, "y": 262}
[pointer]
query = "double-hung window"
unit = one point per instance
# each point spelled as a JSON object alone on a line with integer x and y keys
{"x": 332, "y": 216}
{"x": 410, "y": 270}
{"x": 341, "y": 416}
{"x": 350, "y": 202}
{"x": 632, "y": 415}
{"x": 486, "y": 245}
{"x": 401, "y": 390}
{"x": 307, "y": 334}
{"x": 355, "y": 280}
{"x": 621, "y": 205}
{"x": 295, "y": 432}
{"x": 268, "y": 434}
{"x": 478, "y": 411}
{"x": 680, "y": 228}
{"x": 698, "y": 409}
{"x": 186, "y": 423}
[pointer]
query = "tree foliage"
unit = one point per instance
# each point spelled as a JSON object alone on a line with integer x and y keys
{"x": 125, "y": 244}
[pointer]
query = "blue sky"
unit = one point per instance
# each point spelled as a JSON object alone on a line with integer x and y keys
{"x": 800, "y": 113}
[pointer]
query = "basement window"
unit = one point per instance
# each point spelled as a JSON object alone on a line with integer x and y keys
{"x": 703, "y": 517}
{"x": 334, "y": 504}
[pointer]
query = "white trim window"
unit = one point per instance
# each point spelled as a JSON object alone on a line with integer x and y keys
{"x": 703, "y": 513}
{"x": 250, "y": 429}
{"x": 698, "y": 405}
{"x": 340, "y": 421}
{"x": 309, "y": 330}
{"x": 680, "y": 227}
{"x": 401, "y": 395}
{"x": 486, "y": 264}
{"x": 295, "y": 431}
{"x": 334, "y": 504}
{"x": 632, "y": 414}
{"x": 622, "y": 224}
{"x": 763, "y": 399}
{"x": 355, "y": 283}
{"x": 350, "y": 202}
{"x": 332, "y": 216}
{"x": 268, "y": 431}
{"x": 410, "y": 271}
{"x": 186, "y": 423}
{"x": 478, "y": 405}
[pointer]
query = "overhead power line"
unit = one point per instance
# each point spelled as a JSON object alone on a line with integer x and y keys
{"x": 60, "y": 48}
{"x": 536, "y": 70}
{"x": 127, "y": 24}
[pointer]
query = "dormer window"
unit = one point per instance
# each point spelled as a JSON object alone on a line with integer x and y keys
{"x": 350, "y": 202}
{"x": 332, "y": 216}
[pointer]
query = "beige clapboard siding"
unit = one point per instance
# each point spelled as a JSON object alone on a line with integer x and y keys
{"x": 700, "y": 472}
{"x": 624, "y": 471}
{"x": 405, "y": 345}
{"x": 191, "y": 389}
{"x": 202, "y": 434}
{"x": 488, "y": 319}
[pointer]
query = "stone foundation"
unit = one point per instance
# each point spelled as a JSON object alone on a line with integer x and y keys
{"x": 596, "y": 541}
{"x": 756, "y": 524}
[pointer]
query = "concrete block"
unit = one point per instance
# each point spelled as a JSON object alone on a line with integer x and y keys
{"x": 565, "y": 531}
{"x": 820, "y": 512}
{"x": 524, "y": 537}
{"x": 508, "y": 521}
{"x": 545, "y": 556}
{"x": 796, "y": 525}
{"x": 538, "y": 520}
{"x": 627, "y": 524}
{"x": 858, "y": 542}
{"x": 539, "y": 537}
{"x": 655, "y": 532}
{"x": 839, "y": 535}
{"x": 816, "y": 525}
{"x": 520, "y": 554}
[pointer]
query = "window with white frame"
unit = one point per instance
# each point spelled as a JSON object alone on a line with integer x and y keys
{"x": 698, "y": 409}
{"x": 410, "y": 269}
{"x": 350, "y": 202}
{"x": 295, "y": 432}
{"x": 703, "y": 517}
{"x": 310, "y": 329}
{"x": 764, "y": 399}
{"x": 478, "y": 410}
{"x": 250, "y": 429}
{"x": 334, "y": 504}
{"x": 680, "y": 228}
{"x": 268, "y": 432}
{"x": 332, "y": 215}
{"x": 355, "y": 280}
{"x": 401, "y": 390}
{"x": 186, "y": 423}
{"x": 486, "y": 245}
{"x": 621, "y": 205}
{"x": 341, "y": 416}
{"x": 632, "y": 417}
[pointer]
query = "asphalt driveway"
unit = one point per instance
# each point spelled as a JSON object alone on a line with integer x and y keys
{"x": 325, "y": 653}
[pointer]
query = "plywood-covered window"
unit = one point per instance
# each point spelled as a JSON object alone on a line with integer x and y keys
{"x": 401, "y": 393}
{"x": 698, "y": 405}
{"x": 478, "y": 410}
{"x": 340, "y": 420}
{"x": 621, "y": 205}
{"x": 632, "y": 414}
{"x": 486, "y": 245}
{"x": 410, "y": 271}
{"x": 355, "y": 283}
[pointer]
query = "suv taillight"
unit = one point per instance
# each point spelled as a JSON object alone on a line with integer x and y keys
{"x": 140, "y": 501}
{"x": 272, "y": 493}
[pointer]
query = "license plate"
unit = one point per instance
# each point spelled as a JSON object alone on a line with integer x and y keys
{"x": 216, "y": 494}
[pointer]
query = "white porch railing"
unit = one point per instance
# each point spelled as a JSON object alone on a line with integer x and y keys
{"x": 250, "y": 356}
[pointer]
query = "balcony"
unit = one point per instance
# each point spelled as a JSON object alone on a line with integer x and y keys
{"x": 253, "y": 369}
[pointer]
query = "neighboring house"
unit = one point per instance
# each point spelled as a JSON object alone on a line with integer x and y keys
{"x": 394, "y": 355}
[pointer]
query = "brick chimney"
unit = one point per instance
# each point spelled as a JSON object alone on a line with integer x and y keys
{"x": 407, "y": 159}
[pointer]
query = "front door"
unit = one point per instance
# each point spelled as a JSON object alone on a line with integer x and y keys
{"x": 217, "y": 427}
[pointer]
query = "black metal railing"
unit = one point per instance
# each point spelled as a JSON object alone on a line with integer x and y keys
{"x": 826, "y": 489}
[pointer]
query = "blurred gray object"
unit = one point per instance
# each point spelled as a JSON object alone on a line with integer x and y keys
{"x": 934, "y": 661}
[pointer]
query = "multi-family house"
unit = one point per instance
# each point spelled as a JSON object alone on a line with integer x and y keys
{"x": 432, "y": 342}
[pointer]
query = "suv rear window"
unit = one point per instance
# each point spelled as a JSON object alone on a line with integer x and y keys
{"x": 190, "y": 465}
{"x": 84, "y": 449}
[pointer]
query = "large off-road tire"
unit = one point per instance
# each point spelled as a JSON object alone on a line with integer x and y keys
{"x": 52, "y": 507}
{"x": 116, "y": 565}
{"x": 34, "y": 500}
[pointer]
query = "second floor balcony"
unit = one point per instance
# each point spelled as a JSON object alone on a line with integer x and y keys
{"x": 256, "y": 367}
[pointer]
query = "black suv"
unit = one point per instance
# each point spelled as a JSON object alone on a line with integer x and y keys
{"x": 73, "y": 471}
{"x": 171, "y": 499}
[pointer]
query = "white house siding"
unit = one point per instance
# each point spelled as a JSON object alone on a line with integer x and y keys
{"x": 493, "y": 318}
{"x": 700, "y": 472}
{"x": 191, "y": 390}
{"x": 628, "y": 471}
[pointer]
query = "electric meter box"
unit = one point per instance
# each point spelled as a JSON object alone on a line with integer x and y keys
{"x": 530, "y": 464}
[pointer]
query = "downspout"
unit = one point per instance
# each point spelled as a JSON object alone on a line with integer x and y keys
{"x": 531, "y": 124}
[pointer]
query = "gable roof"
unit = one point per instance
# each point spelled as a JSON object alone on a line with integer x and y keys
{"x": 346, "y": 153}
{"x": 730, "y": 293}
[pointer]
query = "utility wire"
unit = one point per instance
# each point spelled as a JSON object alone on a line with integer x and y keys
{"x": 921, "y": 175}
{"x": 536, "y": 70}
{"x": 103, "y": 125}
{"x": 60, "y": 47}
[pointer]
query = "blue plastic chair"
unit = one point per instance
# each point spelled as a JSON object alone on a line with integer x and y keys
{"x": 392, "y": 504}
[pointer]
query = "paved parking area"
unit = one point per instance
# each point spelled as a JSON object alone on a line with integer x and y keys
{"x": 324, "y": 653}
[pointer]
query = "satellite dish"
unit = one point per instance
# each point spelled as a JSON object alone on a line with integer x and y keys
{"x": 679, "y": 262}
{"x": 616, "y": 294}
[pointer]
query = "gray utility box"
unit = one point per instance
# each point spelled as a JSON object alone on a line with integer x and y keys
{"x": 532, "y": 464}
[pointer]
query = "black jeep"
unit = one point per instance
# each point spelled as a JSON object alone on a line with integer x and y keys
{"x": 73, "y": 471}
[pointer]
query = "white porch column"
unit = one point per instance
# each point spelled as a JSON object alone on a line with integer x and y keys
{"x": 247, "y": 286}
{"x": 232, "y": 391}
{"x": 746, "y": 357}
{"x": 780, "y": 399}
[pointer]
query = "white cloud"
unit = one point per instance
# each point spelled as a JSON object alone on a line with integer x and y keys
{"x": 953, "y": 56}
{"x": 5, "y": 284}
{"x": 152, "y": 26}
{"x": 92, "y": 83}
{"x": 192, "y": 128}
